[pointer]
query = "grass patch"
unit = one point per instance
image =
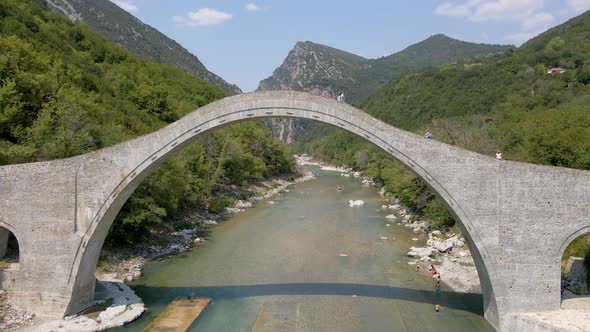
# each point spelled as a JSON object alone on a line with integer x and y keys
{"x": 104, "y": 266}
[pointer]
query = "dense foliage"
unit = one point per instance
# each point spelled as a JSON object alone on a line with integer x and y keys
{"x": 65, "y": 91}
{"x": 507, "y": 102}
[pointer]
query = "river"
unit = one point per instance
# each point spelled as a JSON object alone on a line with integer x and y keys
{"x": 306, "y": 261}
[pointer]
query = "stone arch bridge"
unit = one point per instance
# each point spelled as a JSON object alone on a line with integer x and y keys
{"x": 517, "y": 217}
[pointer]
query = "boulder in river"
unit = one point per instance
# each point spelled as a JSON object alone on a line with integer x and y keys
{"x": 420, "y": 252}
{"x": 358, "y": 202}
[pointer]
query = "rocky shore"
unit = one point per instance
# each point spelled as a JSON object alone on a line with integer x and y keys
{"x": 122, "y": 306}
{"x": 446, "y": 251}
{"x": 12, "y": 318}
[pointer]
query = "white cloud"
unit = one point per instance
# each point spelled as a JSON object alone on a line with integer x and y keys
{"x": 529, "y": 14}
{"x": 457, "y": 10}
{"x": 506, "y": 10}
{"x": 485, "y": 10}
{"x": 537, "y": 21}
{"x": 251, "y": 7}
{"x": 203, "y": 17}
{"x": 579, "y": 6}
{"x": 126, "y": 5}
{"x": 519, "y": 37}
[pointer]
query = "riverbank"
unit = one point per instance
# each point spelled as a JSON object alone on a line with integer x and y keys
{"x": 445, "y": 250}
{"x": 125, "y": 263}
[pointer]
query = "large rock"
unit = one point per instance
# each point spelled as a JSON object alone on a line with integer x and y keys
{"x": 420, "y": 252}
{"x": 419, "y": 227}
{"x": 358, "y": 202}
{"x": 444, "y": 246}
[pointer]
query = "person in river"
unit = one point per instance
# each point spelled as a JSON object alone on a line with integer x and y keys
{"x": 437, "y": 308}
{"x": 432, "y": 269}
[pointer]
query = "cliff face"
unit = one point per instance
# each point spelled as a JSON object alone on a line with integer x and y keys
{"x": 315, "y": 68}
{"x": 327, "y": 71}
{"x": 117, "y": 25}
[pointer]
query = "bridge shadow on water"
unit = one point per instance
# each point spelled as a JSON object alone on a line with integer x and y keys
{"x": 469, "y": 302}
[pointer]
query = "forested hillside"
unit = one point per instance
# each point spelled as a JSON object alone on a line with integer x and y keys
{"x": 65, "y": 91}
{"x": 115, "y": 24}
{"x": 508, "y": 102}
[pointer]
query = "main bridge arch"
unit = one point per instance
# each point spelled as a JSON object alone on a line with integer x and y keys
{"x": 74, "y": 201}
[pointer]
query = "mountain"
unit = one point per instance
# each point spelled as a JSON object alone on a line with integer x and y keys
{"x": 117, "y": 25}
{"x": 324, "y": 70}
{"x": 316, "y": 68}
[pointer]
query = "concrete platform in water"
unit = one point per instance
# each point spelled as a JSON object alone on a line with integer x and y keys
{"x": 178, "y": 316}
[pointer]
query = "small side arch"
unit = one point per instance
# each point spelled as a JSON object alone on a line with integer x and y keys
{"x": 570, "y": 237}
{"x": 9, "y": 248}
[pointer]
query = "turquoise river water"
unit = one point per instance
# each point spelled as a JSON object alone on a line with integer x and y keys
{"x": 278, "y": 267}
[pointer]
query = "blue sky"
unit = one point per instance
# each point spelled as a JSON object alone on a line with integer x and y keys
{"x": 244, "y": 41}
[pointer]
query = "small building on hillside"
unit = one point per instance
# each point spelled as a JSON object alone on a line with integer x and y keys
{"x": 556, "y": 70}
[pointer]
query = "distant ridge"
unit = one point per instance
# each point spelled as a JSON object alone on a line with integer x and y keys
{"x": 326, "y": 70}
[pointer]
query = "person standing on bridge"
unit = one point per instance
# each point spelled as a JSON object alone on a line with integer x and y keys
{"x": 498, "y": 155}
{"x": 428, "y": 134}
